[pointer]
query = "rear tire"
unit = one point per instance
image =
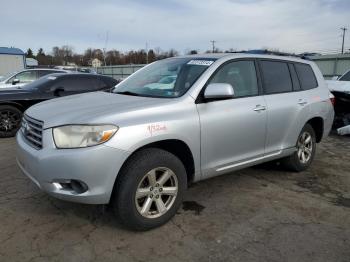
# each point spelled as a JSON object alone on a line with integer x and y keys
{"x": 149, "y": 189}
{"x": 10, "y": 120}
{"x": 306, "y": 150}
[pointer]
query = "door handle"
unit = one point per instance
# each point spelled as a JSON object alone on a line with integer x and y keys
{"x": 259, "y": 108}
{"x": 302, "y": 102}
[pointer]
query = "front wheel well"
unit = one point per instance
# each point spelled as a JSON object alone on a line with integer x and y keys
{"x": 179, "y": 149}
{"x": 317, "y": 125}
{"x": 15, "y": 105}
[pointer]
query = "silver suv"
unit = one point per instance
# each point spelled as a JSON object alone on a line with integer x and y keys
{"x": 139, "y": 146}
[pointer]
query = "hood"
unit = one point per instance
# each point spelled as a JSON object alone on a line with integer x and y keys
{"x": 90, "y": 108}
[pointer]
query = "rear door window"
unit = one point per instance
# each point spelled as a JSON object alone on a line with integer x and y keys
{"x": 276, "y": 77}
{"x": 80, "y": 84}
{"x": 47, "y": 72}
{"x": 306, "y": 76}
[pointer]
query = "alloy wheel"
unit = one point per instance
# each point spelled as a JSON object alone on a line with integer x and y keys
{"x": 304, "y": 147}
{"x": 9, "y": 120}
{"x": 156, "y": 193}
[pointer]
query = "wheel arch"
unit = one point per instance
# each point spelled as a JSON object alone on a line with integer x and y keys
{"x": 175, "y": 146}
{"x": 14, "y": 104}
{"x": 317, "y": 123}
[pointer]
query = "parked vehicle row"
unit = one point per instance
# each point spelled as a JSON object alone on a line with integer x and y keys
{"x": 139, "y": 146}
{"x": 14, "y": 101}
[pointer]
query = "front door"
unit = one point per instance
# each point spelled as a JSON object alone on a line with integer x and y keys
{"x": 233, "y": 131}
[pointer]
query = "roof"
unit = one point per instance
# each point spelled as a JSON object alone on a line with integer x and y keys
{"x": 11, "y": 51}
{"x": 245, "y": 55}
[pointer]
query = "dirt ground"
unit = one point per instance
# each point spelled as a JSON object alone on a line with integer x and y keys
{"x": 257, "y": 214}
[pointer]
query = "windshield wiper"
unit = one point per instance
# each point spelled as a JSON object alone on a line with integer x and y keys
{"x": 128, "y": 93}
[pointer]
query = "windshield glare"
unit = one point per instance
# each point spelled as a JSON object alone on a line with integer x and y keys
{"x": 167, "y": 78}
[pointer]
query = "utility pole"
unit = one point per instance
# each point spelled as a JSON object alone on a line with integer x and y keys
{"x": 146, "y": 52}
{"x": 105, "y": 49}
{"x": 342, "y": 47}
{"x": 213, "y": 43}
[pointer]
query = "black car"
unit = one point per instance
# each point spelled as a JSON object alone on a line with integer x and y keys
{"x": 14, "y": 101}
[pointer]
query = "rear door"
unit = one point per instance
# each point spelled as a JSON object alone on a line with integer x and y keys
{"x": 233, "y": 130}
{"x": 287, "y": 104}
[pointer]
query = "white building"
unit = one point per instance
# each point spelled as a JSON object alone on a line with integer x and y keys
{"x": 11, "y": 60}
{"x": 96, "y": 62}
{"x": 31, "y": 62}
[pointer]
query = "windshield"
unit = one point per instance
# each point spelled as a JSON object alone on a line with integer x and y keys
{"x": 345, "y": 77}
{"x": 167, "y": 78}
{"x": 3, "y": 78}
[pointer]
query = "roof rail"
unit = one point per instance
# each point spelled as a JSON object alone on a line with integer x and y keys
{"x": 269, "y": 52}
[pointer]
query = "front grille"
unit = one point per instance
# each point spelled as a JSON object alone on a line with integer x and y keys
{"x": 32, "y": 131}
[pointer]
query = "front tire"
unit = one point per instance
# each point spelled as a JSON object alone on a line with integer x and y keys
{"x": 10, "y": 120}
{"x": 305, "y": 153}
{"x": 149, "y": 189}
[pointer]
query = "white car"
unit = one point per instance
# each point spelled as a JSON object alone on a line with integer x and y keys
{"x": 26, "y": 76}
{"x": 342, "y": 84}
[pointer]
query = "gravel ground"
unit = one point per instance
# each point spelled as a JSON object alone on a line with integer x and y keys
{"x": 257, "y": 214}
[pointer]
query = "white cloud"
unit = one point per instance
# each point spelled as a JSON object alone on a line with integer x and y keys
{"x": 296, "y": 25}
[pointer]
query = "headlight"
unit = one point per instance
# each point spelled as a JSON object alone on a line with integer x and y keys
{"x": 77, "y": 136}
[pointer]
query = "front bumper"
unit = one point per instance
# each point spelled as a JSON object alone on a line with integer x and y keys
{"x": 96, "y": 166}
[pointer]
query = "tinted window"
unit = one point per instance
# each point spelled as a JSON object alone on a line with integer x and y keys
{"x": 306, "y": 76}
{"x": 295, "y": 80}
{"x": 47, "y": 72}
{"x": 276, "y": 77}
{"x": 79, "y": 84}
{"x": 345, "y": 77}
{"x": 241, "y": 75}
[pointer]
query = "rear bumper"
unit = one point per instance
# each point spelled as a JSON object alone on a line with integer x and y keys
{"x": 96, "y": 166}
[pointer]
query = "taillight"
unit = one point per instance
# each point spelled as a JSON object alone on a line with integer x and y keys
{"x": 332, "y": 98}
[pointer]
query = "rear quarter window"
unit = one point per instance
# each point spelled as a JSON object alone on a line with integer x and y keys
{"x": 276, "y": 77}
{"x": 306, "y": 76}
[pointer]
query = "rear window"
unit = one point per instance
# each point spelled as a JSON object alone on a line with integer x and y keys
{"x": 306, "y": 76}
{"x": 276, "y": 77}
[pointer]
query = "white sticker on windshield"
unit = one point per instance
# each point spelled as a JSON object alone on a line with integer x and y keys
{"x": 51, "y": 77}
{"x": 200, "y": 62}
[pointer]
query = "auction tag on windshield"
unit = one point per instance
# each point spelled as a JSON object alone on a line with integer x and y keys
{"x": 200, "y": 62}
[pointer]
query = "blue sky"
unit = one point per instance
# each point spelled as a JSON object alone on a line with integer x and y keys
{"x": 294, "y": 25}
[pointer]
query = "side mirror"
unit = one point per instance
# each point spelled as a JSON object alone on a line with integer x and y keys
{"x": 335, "y": 77}
{"x": 219, "y": 91}
{"x": 15, "y": 81}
